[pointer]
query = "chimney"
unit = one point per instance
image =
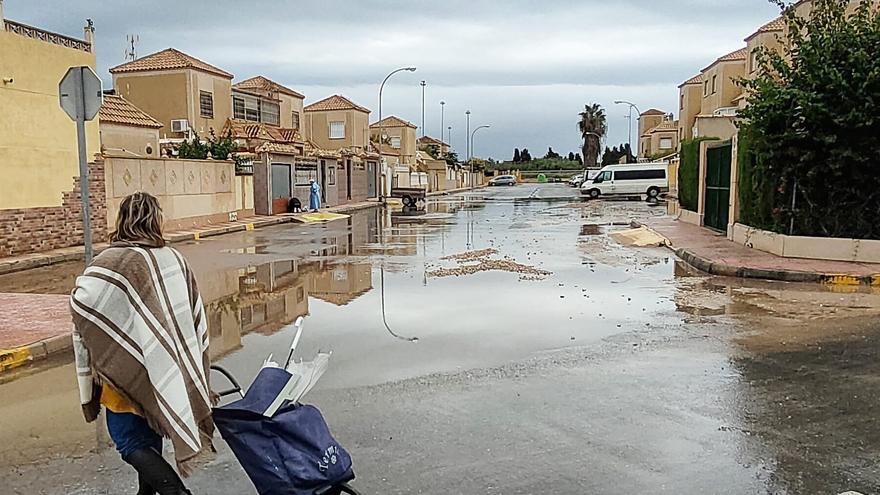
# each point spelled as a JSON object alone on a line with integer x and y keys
{"x": 88, "y": 32}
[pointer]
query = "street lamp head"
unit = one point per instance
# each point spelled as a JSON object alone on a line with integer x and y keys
{"x": 411, "y": 69}
{"x": 468, "y": 112}
{"x": 617, "y": 102}
{"x": 442, "y": 102}
{"x": 424, "y": 83}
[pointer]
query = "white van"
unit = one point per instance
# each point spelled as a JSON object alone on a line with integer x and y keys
{"x": 633, "y": 179}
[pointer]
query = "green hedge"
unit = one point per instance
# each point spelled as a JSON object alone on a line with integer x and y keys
{"x": 756, "y": 190}
{"x": 689, "y": 173}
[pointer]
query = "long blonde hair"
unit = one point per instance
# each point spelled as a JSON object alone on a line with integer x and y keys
{"x": 139, "y": 221}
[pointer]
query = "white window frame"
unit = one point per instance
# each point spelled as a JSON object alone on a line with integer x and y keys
{"x": 664, "y": 140}
{"x": 270, "y": 112}
{"x": 337, "y": 129}
{"x": 395, "y": 142}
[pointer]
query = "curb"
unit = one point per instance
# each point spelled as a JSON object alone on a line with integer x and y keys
{"x": 452, "y": 191}
{"x": 38, "y": 351}
{"x": 722, "y": 269}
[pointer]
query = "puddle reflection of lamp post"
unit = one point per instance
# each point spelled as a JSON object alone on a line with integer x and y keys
{"x": 381, "y": 231}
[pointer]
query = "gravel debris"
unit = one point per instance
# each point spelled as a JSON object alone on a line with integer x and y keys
{"x": 471, "y": 255}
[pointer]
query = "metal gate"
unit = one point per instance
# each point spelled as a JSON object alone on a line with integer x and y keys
{"x": 281, "y": 187}
{"x": 371, "y": 180}
{"x": 718, "y": 187}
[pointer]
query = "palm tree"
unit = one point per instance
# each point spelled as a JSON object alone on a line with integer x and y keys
{"x": 593, "y": 126}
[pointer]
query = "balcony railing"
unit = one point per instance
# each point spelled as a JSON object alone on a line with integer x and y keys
{"x": 48, "y": 37}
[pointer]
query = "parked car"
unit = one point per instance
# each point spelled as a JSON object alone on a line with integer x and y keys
{"x": 632, "y": 179}
{"x": 576, "y": 180}
{"x": 503, "y": 180}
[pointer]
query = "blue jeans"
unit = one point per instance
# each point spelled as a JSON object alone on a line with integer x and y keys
{"x": 131, "y": 432}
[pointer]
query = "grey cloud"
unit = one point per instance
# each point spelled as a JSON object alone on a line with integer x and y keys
{"x": 526, "y": 66}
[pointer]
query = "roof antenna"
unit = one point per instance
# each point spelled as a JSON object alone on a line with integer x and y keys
{"x": 131, "y": 42}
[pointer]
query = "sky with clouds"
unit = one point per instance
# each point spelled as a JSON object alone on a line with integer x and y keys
{"x": 526, "y": 67}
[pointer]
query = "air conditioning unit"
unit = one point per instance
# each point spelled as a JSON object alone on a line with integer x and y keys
{"x": 179, "y": 125}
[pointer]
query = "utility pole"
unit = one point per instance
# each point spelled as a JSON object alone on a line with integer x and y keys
{"x": 468, "y": 135}
{"x": 423, "y": 83}
{"x": 442, "y": 124}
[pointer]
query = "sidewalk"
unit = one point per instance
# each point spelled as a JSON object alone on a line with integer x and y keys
{"x": 713, "y": 253}
{"x": 37, "y": 326}
{"x": 35, "y": 260}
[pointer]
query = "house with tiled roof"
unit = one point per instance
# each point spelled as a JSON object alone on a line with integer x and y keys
{"x": 659, "y": 140}
{"x": 400, "y": 136}
{"x": 259, "y": 99}
{"x": 338, "y": 124}
{"x": 126, "y": 130}
{"x": 690, "y": 101}
{"x": 185, "y": 94}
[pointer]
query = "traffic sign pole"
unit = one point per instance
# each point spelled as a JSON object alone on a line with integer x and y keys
{"x": 83, "y": 167}
{"x": 80, "y": 96}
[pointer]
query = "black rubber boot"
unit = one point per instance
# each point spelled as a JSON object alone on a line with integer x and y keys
{"x": 156, "y": 473}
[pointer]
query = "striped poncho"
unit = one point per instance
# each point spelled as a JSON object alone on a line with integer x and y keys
{"x": 140, "y": 326}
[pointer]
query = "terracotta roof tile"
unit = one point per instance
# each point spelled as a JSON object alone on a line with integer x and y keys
{"x": 168, "y": 59}
{"x": 430, "y": 140}
{"x": 117, "y": 110}
{"x": 653, "y": 111}
{"x": 667, "y": 126}
{"x": 242, "y": 129}
{"x": 335, "y": 102}
{"x": 735, "y": 56}
{"x": 393, "y": 121}
{"x": 698, "y": 79}
{"x": 774, "y": 26}
{"x": 261, "y": 83}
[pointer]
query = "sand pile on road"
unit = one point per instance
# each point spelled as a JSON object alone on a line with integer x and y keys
{"x": 485, "y": 264}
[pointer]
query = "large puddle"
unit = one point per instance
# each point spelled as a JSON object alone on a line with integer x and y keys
{"x": 389, "y": 297}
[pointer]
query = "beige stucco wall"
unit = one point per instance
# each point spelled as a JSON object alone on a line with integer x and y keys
{"x": 186, "y": 189}
{"x": 408, "y": 142}
{"x": 317, "y": 126}
{"x": 727, "y": 90}
{"x": 127, "y": 140}
{"x": 690, "y": 103}
{"x": 221, "y": 88}
{"x": 162, "y": 95}
{"x": 648, "y": 122}
{"x": 824, "y": 248}
{"x": 169, "y": 95}
{"x": 719, "y": 127}
{"x": 38, "y": 147}
{"x": 243, "y": 187}
{"x": 656, "y": 139}
{"x": 290, "y": 104}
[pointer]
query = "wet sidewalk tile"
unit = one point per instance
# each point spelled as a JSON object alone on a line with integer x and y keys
{"x": 31, "y": 318}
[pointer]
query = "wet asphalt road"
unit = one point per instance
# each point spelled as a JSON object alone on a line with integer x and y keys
{"x": 621, "y": 371}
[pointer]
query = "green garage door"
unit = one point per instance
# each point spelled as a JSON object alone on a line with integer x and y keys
{"x": 718, "y": 187}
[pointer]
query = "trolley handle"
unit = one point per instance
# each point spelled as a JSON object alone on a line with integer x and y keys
{"x": 236, "y": 388}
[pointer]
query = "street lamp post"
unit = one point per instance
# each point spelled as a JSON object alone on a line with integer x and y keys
{"x": 467, "y": 136}
{"x": 423, "y": 84}
{"x": 472, "y": 149}
{"x": 631, "y": 107}
{"x": 381, "y": 125}
{"x": 449, "y": 142}
{"x": 442, "y": 123}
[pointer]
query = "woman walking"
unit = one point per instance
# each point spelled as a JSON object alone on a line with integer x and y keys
{"x": 141, "y": 346}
